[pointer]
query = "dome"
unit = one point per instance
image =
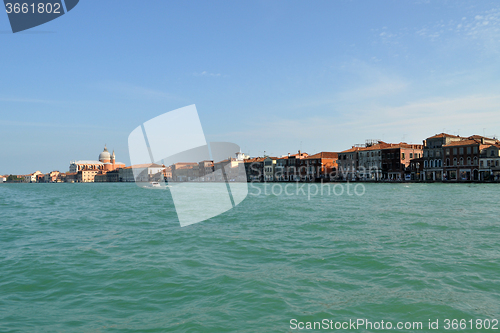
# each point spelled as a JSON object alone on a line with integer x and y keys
{"x": 105, "y": 155}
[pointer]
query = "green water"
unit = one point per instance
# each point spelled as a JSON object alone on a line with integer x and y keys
{"x": 113, "y": 258}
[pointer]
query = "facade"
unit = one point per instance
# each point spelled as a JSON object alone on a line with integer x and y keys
{"x": 370, "y": 160}
{"x": 144, "y": 173}
{"x": 3, "y": 179}
{"x": 254, "y": 169}
{"x": 290, "y": 167}
{"x": 321, "y": 166}
{"x": 32, "y": 177}
{"x": 348, "y": 163}
{"x": 489, "y": 163}
{"x": 396, "y": 160}
{"x": 86, "y": 176}
{"x": 185, "y": 172}
{"x": 206, "y": 171}
{"x": 51, "y": 177}
{"x": 269, "y": 168}
{"x": 454, "y": 158}
{"x": 167, "y": 173}
{"x": 433, "y": 154}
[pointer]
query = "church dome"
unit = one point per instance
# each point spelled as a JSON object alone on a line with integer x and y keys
{"x": 105, "y": 155}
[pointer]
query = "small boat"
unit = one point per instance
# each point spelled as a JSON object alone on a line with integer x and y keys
{"x": 154, "y": 184}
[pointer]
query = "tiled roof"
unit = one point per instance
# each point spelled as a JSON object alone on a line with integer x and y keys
{"x": 463, "y": 143}
{"x": 323, "y": 154}
{"x": 443, "y": 135}
{"x": 353, "y": 149}
{"x": 255, "y": 159}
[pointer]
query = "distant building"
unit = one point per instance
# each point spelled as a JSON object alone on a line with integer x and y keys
{"x": 32, "y": 177}
{"x": 87, "y": 169}
{"x": 184, "y": 172}
{"x": 269, "y": 168}
{"x": 320, "y": 166}
{"x": 3, "y": 179}
{"x": 348, "y": 163}
{"x": 141, "y": 173}
{"x": 489, "y": 163}
{"x": 51, "y": 177}
{"x": 254, "y": 169}
{"x": 206, "y": 171}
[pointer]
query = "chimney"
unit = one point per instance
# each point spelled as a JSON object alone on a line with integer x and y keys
{"x": 288, "y": 154}
{"x": 299, "y": 152}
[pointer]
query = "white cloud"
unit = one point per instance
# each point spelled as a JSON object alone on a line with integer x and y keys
{"x": 205, "y": 73}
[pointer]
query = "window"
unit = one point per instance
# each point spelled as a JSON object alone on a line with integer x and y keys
{"x": 461, "y": 150}
{"x": 482, "y": 163}
{"x": 432, "y": 163}
{"x": 468, "y": 160}
{"x": 475, "y": 150}
{"x": 492, "y": 153}
{"x": 411, "y": 156}
{"x": 447, "y": 151}
{"x": 475, "y": 160}
{"x": 447, "y": 162}
{"x": 455, "y": 161}
{"x": 454, "y": 151}
{"x": 461, "y": 161}
{"x": 438, "y": 154}
{"x": 403, "y": 156}
{"x": 425, "y": 164}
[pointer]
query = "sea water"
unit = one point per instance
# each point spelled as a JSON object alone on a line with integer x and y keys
{"x": 112, "y": 257}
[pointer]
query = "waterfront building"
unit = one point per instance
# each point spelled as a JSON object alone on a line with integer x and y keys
{"x": 206, "y": 171}
{"x": 369, "y": 165}
{"x": 32, "y": 177}
{"x": 280, "y": 168}
{"x": 184, "y": 172}
{"x": 254, "y": 169}
{"x": 151, "y": 172}
{"x": 416, "y": 168}
{"x": 51, "y": 177}
{"x": 396, "y": 160}
{"x": 320, "y": 166}
{"x": 292, "y": 170}
{"x": 269, "y": 168}
{"x": 167, "y": 173}
{"x": 71, "y": 177}
{"x": 3, "y": 179}
{"x": 489, "y": 163}
{"x": 433, "y": 155}
{"x": 348, "y": 163}
{"x": 40, "y": 178}
{"x": 461, "y": 158}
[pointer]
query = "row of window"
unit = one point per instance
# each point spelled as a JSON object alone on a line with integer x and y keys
{"x": 460, "y": 161}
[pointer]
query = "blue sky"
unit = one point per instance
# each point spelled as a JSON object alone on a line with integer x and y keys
{"x": 274, "y": 76}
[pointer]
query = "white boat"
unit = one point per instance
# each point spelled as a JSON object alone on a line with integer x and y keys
{"x": 155, "y": 184}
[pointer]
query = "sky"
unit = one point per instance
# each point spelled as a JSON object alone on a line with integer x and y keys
{"x": 274, "y": 77}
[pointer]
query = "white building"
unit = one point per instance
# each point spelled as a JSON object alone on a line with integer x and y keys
{"x": 31, "y": 178}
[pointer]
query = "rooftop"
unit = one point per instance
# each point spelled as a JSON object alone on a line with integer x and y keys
{"x": 443, "y": 135}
